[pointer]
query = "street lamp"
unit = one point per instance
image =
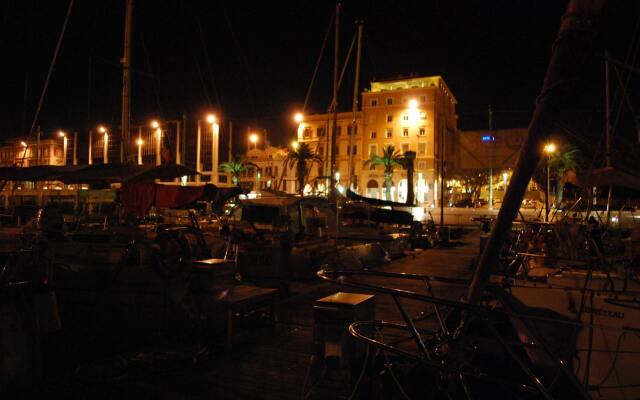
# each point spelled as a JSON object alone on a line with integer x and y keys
{"x": 139, "y": 142}
{"x": 105, "y": 147}
{"x": 253, "y": 138}
{"x": 549, "y": 148}
{"x": 215, "y": 129}
{"x": 156, "y": 125}
{"x": 64, "y": 146}
{"x": 298, "y": 117}
{"x": 295, "y": 144}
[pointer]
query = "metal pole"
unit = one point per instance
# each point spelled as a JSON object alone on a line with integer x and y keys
{"x": 491, "y": 144}
{"x": 198, "y": 140}
{"x": 546, "y": 197}
{"x": 75, "y": 146}
{"x": 65, "y": 143}
{"x": 230, "y": 149}
{"x": 443, "y": 165}
{"x": 178, "y": 133}
{"x": 38, "y": 153}
{"x": 126, "y": 79}
{"x": 572, "y": 48}
{"x": 334, "y": 101}
{"x": 354, "y": 123}
{"x": 105, "y": 148}
{"x": 158, "y": 146}
{"x": 215, "y": 129}
{"x": 89, "y": 160}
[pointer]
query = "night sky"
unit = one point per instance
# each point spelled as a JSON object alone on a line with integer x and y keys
{"x": 251, "y": 62}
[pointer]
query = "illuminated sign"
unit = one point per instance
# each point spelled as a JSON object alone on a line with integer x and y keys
{"x": 488, "y": 138}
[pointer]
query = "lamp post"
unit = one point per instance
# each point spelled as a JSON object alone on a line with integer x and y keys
{"x": 215, "y": 130}
{"x": 550, "y": 148}
{"x": 64, "y": 147}
{"x": 105, "y": 147}
{"x": 139, "y": 142}
{"x": 253, "y": 138}
{"x": 156, "y": 125}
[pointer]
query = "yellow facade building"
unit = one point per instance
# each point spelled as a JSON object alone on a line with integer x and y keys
{"x": 417, "y": 114}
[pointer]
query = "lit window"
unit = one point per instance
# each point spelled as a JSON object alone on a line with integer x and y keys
{"x": 422, "y": 149}
{"x": 374, "y": 102}
{"x": 405, "y": 132}
{"x": 422, "y": 132}
{"x": 422, "y": 165}
{"x": 389, "y": 101}
{"x": 388, "y": 133}
{"x": 373, "y": 134}
{"x": 306, "y": 133}
{"x": 389, "y": 118}
{"x": 423, "y": 116}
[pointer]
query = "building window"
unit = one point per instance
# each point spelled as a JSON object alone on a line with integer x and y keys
{"x": 338, "y": 130}
{"x": 423, "y": 116}
{"x": 374, "y": 102}
{"x": 389, "y": 117}
{"x": 389, "y": 101}
{"x": 373, "y": 134}
{"x": 306, "y": 133}
{"x": 320, "y": 131}
{"x": 355, "y": 149}
{"x": 350, "y": 127}
{"x": 405, "y": 147}
{"x": 422, "y": 132}
{"x": 388, "y": 133}
{"x": 422, "y": 165}
{"x": 422, "y": 149}
{"x": 373, "y": 150}
{"x": 405, "y": 132}
{"x": 405, "y": 117}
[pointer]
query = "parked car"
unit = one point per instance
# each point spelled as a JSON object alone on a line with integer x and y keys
{"x": 464, "y": 203}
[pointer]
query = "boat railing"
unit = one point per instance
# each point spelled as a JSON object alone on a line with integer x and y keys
{"x": 441, "y": 348}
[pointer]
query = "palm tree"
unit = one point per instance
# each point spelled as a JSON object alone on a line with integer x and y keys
{"x": 390, "y": 159}
{"x": 561, "y": 163}
{"x": 236, "y": 167}
{"x": 302, "y": 157}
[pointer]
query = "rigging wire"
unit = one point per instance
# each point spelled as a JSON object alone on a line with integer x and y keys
{"x": 208, "y": 61}
{"x": 315, "y": 71}
{"x": 48, "y": 79}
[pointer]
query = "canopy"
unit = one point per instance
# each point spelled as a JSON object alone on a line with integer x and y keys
{"x": 608, "y": 176}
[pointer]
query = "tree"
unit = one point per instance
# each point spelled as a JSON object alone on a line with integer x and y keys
{"x": 301, "y": 157}
{"x": 473, "y": 180}
{"x": 390, "y": 159}
{"x": 561, "y": 163}
{"x": 236, "y": 167}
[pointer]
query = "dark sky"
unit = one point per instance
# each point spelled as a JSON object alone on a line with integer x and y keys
{"x": 251, "y": 62}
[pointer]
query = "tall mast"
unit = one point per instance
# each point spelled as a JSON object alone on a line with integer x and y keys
{"x": 354, "y": 124}
{"x": 126, "y": 79}
{"x": 334, "y": 102}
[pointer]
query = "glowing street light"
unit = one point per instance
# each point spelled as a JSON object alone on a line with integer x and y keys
{"x": 105, "y": 147}
{"x": 23, "y": 144}
{"x": 549, "y": 148}
{"x": 215, "y": 129}
{"x": 298, "y": 117}
{"x": 253, "y": 138}
{"x": 295, "y": 144}
{"x": 413, "y": 104}
{"x": 64, "y": 146}
{"x": 139, "y": 142}
{"x": 156, "y": 125}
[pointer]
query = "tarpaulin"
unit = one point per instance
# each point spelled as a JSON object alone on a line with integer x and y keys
{"x": 137, "y": 197}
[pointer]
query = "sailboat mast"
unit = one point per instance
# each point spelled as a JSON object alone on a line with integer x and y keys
{"x": 334, "y": 102}
{"x": 126, "y": 80}
{"x": 354, "y": 123}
